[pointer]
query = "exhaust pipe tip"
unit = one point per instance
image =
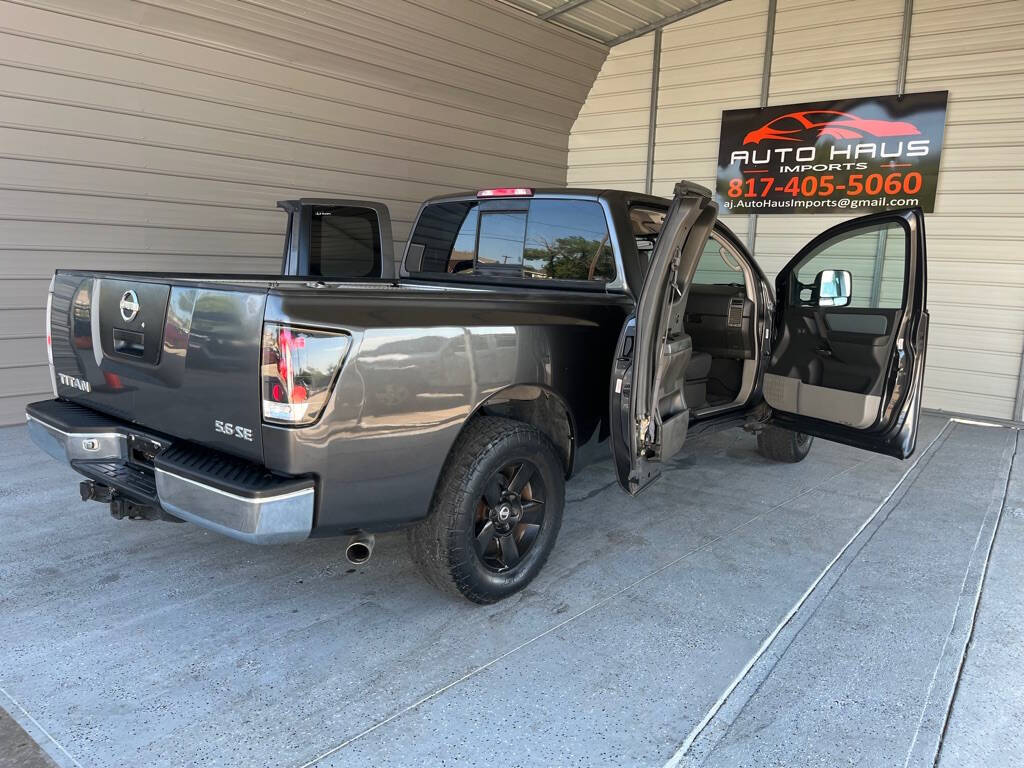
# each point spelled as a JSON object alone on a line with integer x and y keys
{"x": 360, "y": 548}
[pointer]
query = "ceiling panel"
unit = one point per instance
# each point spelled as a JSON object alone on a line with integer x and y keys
{"x": 612, "y": 21}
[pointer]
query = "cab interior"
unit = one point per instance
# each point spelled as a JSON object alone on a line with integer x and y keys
{"x": 720, "y": 317}
{"x": 717, "y": 316}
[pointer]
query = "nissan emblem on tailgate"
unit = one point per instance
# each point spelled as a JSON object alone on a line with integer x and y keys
{"x": 129, "y": 305}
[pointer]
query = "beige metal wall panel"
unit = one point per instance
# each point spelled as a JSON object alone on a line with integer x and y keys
{"x": 960, "y": 48}
{"x": 715, "y": 55}
{"x": 831, "y": 49}
{"x": 710, "y": 64}
{"x": 158, "y": 135}
{"x": 608, "y": 145}
{"x": 976, "y": 277}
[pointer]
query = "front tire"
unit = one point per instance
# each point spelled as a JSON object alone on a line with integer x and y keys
{"x": 495, "y": 514}
{"x": 783, "y": 445}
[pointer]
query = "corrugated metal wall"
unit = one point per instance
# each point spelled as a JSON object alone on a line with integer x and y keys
{"x": 159, "y": 135}
{"x": 832, "y": 49}
{"x": 976, "y": 270}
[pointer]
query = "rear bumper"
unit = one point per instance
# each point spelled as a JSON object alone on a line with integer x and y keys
{"x": 209, "y": 488}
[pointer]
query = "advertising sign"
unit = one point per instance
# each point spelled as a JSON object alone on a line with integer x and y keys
{"x": 858, "y": 155}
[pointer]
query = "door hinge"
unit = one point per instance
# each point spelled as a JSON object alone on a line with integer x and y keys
{"x": 643, "y": 437}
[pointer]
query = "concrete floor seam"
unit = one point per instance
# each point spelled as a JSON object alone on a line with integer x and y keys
{"x": 38, "y": 726}
{"x": 272, "y": 671}
{"x": 710, "y": 717}
{"x": 595, "y": 606}
{"x": 821, "y": 590}
{"x": 975, "y": 607}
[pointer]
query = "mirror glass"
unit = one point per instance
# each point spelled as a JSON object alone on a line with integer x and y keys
{"x": 834, "y": 287}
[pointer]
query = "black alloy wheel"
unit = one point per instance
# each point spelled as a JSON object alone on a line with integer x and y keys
{"x": 510, "y": 515}
{"x": 496, "y": 512}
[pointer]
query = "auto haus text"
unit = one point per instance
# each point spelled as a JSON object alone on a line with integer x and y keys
{"x": 853, "y": 157}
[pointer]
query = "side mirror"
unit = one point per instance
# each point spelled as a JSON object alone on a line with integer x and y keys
{"x": 833, "y": 287}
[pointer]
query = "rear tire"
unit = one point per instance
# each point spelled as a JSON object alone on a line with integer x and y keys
{"x": 784, "y": 445}
{"x": 495, "y": 514}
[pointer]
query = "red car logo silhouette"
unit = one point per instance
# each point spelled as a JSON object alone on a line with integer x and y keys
{"x": 813, "y": 124}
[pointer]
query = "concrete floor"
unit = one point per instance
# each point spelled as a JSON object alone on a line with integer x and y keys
{"x": 738, "y": 612}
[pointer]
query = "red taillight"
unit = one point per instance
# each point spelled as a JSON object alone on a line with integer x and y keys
{"x": 283, "y": 354}
{"x": 49, "y": 337}
{"x": 298, "y": 371}
{"x": 506, "y": 192}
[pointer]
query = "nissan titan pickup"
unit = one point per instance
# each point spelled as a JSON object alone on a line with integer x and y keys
{"x": 526, "y": 334}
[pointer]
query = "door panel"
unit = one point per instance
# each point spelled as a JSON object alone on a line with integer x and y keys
{"x": 844, "y": 367}
{"x": 649, "y": 413}
{"x": 875, "y": 324}
{"x": 789, "y": 393}
{"x": 836, "y": 358}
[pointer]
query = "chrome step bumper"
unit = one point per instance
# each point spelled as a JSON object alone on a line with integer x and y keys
{"x": 208, "y": 488}
{"x": 273, "y": 519}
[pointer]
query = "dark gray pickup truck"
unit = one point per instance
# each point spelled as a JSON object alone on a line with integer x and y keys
{"x": 528, "y": 333}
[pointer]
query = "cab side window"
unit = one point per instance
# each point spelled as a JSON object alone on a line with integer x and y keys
{"x": 646, "y": 223}
{"x": 717, "y": 266}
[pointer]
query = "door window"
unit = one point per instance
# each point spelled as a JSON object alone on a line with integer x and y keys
{"x": 875, "y": 258}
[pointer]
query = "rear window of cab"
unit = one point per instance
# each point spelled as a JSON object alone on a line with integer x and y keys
{"x": 539, "y": 238}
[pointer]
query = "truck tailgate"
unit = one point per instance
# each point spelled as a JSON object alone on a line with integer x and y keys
{"x": 177, "y": 355}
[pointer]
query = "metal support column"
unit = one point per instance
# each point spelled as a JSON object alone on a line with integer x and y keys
{"x": 901, "y": 86}
{"x": 766, "y": 79}
{"x": 908, "y": 17}
{"x": 1018, "y": 405}
{"x": 652, "y": 118}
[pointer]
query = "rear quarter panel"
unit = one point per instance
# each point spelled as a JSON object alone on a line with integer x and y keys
{"x": 421, "y": 363}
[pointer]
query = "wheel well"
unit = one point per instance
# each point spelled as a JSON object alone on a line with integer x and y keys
{"x": 540, "y": 408}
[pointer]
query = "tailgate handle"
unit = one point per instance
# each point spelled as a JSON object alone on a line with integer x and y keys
{"x": 129, "y": 342}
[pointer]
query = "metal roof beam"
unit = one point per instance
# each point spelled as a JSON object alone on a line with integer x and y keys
{"x": 672, "y": 19}
{"x": 563, "y": 8}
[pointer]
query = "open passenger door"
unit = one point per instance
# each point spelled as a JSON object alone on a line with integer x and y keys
{"x": 343, "y": 239}
{"x": 649, "y": 413}
{"x": 851, "y": 328}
